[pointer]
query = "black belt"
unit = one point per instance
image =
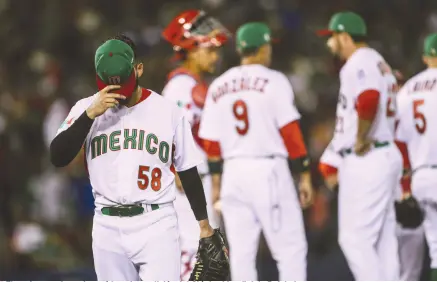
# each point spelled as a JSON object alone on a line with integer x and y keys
{"x": 376, "y": 144}
{"x": 125, "y": 211}
{"x": 425, "y": 166}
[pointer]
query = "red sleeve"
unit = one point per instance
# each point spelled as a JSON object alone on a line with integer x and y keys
{"x": 198, "y": 93}
{"x": 211, "y": 148}
{"x": 404, "y": 151}
{"x": 293, "y": 140}
{"x": 327, "y": 170}
{"x": 367, "y": 104}
{"x": 406, "y": 181}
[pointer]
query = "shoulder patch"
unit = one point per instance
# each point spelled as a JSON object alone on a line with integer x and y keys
{"x": 384, "y": 68}
{"x": 67, "y": 123}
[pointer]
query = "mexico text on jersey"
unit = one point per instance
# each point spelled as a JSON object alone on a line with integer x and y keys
{"x": 131, "y": 139}
{"x": 133, "y": 153}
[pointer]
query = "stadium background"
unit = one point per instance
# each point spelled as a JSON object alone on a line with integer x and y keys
{"x": 46, "y": 64}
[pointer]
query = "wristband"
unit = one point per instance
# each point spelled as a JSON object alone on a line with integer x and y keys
{"x": 215, "y": 167}
{"x": 301, "y": 164}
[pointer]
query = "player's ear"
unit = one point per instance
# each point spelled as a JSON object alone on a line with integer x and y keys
{"x": 139, "y": 69}
{"x": 425, "y": 60}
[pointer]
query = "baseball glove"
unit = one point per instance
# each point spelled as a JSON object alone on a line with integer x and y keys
{"x": 212, "y": 260}
{"x": 409, "y": 214}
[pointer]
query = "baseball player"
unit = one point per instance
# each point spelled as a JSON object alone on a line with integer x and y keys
{"x": 134, "y": 141}
{"x": 250, "y": 113}
{"x": 371, "y": 164}
{"x": 411, "y": 241}
{"x": 417, "y": 136}
{"x": 195, "y": 38}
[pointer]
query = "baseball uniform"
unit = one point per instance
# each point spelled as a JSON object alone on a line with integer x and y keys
{"x": 131, "y": 155}
{"x": 411, "y": 241}
{"x": 189, "y": 32}
{"x": 245, "y": 109}
{"x": 417, "y": 121}
{"x": 181, "y": 88}
{"x": 367, "y": 183}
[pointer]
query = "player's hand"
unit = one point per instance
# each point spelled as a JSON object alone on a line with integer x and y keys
{"x": 331, "y": 182}
{"x": 305, "y": 191}
{"x": 205, "y": 229}
{"x": 104, "y": 101}
{"x": 362, "y": 147}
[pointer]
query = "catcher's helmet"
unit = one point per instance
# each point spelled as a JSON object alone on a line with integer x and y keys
{"x": 194, "y": 28}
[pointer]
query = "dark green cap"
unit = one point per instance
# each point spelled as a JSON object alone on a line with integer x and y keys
{"x": 252, "y": 35}
{"x": 114, "y": 62}
{"x": 349, "y": 22}
{"x": 430, "y": 45}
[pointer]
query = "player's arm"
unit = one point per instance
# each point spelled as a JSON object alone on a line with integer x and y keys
{"x": 193, "y": 188}
{"x": 367, "y": 82}
{"x": 186, "y": 159}
{"x": 67, "y": 144}
{"x": 215, "y": 165}
{"x": 69, "y": 141}
{"x": 210, "y": 136}
{"x": 367, "y": 107}
{"x": 297, "y": 153}
{"x": 406, "y": 174}
{"x": 287, "y": 119}
{"x": 401, "y": 139}
{"x": 328, "y": 168}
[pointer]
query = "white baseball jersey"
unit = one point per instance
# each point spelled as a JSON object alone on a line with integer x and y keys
{"x": 417, "y": 118}
{"x": 178, "y": 89}
{"x": 391, "y": 102}
{"x": 131, "y": 152}
{"x": 366, "y": 69}
{"x": 245, "y": 108}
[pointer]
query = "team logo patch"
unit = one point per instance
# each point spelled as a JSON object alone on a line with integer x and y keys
{"x": 66, "y": 123}
{"x": 114, "y": 80}
{"x": 384, "y": 68}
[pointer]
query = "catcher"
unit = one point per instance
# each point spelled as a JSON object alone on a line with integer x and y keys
{"x": 196, "y": 38}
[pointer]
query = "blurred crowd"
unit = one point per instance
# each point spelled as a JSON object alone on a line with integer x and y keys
{"x": 46, "y": 65}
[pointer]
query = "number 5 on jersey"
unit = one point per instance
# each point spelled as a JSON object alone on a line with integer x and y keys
{"x": 419, "y": 117}
{"x": 240, "y": 112}
{"x": 143, "y": 178}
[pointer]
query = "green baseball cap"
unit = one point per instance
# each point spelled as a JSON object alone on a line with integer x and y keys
{"x": 252, "y": 35}
{"x": 430, "y": 45}
{"x": 349, "y": 22}
{"x": 114, "y": 63}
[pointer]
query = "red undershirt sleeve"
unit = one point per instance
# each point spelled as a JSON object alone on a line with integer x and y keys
{"x": 367, "y": 104}
{"x": 405, "y": 181}
{"x": 327, "y": 170}
{"x": 211, "y": 148}
{"x": 293, "y": 140}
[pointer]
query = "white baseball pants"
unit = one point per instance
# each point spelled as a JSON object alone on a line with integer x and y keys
{"x": 411, "y": 252}
{"x": 142, "y": 247}
{"x": 367, "y": 223}
{"x": 259, "y": 194}
{"x": 423, "y": 186}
